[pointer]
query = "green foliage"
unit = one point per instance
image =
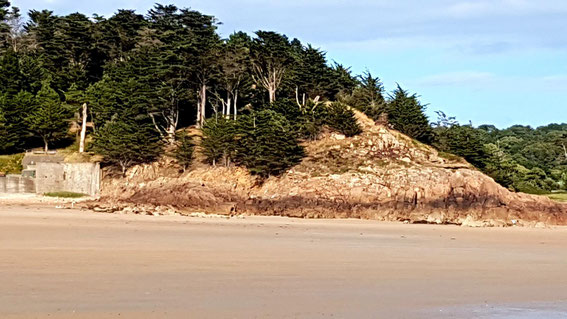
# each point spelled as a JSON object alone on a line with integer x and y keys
{"x": 49, "y": 118}
{"x": 368, "y": 96}
{"x": 464, "y": 141}
{"x": 64, "y": 195}
{"x": 184, "y": 151}
{"x": 125, "y": 143}
{"x": 407, "y": 115}
{"x": 342, "y": 119}
{"x": 218, "y": 143}
{"x": 266, "y": 144}
{"x": 11, "y": 164}
{"x": 306, "y": 122}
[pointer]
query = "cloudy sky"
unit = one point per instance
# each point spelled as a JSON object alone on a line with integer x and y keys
{"x": 486, "y": 61}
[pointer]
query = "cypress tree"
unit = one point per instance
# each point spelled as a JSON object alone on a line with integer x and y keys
{"x": 266, "y": 144}
{"x": 184, "y": 151}
{"x": 50, "y": 118}
{"x": 342, "y": 119}
{"x": 125, "y": 143}
{"x": 407, "y": 115}
{"x": 218, "y": 142}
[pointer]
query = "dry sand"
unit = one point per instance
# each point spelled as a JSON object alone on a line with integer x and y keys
{"x": 58, "y": 263}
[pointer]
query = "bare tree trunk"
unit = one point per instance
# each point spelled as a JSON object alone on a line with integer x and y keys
{"x": 46, "y": 145}
{"x": 235, "y": 100}
{"x": 202, "y": 105}
{"x": 83, "y": 130}
{"x": 564, "y": 150}
{"x": 198, "y": 121}
{"x": 272, "y": 93}
{"x": 171, "y": 134}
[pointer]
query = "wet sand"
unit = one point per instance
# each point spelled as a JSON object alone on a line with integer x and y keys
{"x": 58, "y": 263}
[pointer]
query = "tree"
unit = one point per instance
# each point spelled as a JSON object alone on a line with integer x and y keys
{"x": 341, "y": 118}
{"x": 219, "y": 140}
{"x": 465, "y": 141}
{"x": 266, "y": 144}
{"x": 125, "y": 143}
{"x": 8, "y": 139}
{"x": 4, "y": 27}
{"x": 50, "y": 118}
{"x": 271, "y": 57}
{"x": 368, "y": 96}
{"x": 184, "y": 151}
{"x": 13, "y": 30}
{"x": 233, "y": 63}
{"x": 15, "y": 110}
{"x": 407, "y": 115}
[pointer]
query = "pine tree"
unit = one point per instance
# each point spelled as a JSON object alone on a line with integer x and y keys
{"x": 184, "y": 151}
{"x": 50, "y": 118}
{"x": 406, "y": 114}
{"x": 219, "y": 140}
{"x": 368, "y": 96}
{"x": 15, "y": 110}
{"x": 267, "y": 144}
{"x": 342, "y": 119}
{"x": 8, "y": 139}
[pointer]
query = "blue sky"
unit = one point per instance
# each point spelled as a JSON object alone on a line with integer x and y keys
{"x": 487, "y": 61}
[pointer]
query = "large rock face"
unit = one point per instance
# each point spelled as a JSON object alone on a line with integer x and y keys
{"x": 380, "y": 174}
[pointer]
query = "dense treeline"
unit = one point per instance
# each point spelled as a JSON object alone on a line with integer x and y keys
{"x": 519, "y": 157}
{"x": 146, "y": 77}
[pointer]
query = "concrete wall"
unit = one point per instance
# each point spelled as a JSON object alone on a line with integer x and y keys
{"x": 17, "y": 184}
{"x": 81, "y": 178}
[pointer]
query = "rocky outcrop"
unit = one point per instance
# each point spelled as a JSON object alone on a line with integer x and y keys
{"x": 380, "y": 174}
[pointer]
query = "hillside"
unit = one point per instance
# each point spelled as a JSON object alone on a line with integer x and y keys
{"x": 380, "y": 174}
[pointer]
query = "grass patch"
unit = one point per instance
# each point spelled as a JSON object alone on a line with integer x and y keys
{"x": 11, "y": 164}
{"x": 64, "y": 194}
{"x": 560, "y": 197}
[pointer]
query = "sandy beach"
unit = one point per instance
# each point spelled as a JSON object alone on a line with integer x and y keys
{"x": 62, "y": 263}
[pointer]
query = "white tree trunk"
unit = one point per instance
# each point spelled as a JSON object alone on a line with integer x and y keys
{"x": 235, "y": 100}
{"x": 83, "y": 130}
{"x": 201, "y": 104}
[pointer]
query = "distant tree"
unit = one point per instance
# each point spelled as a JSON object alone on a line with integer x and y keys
{"x": 50, "y": 118}
{"x": 407, "y": 115}
{"x": 125, "y": 143}
{"x": 465, "y": 141}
